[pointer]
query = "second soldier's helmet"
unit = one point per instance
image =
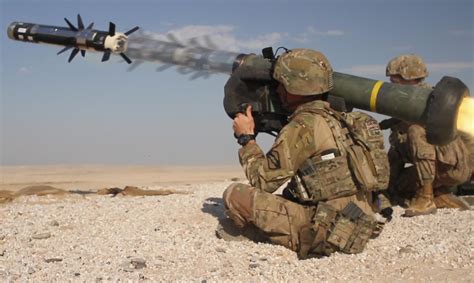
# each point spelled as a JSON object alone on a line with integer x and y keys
{"x": 304, "y": 72}
{"x": 409, "y": 67}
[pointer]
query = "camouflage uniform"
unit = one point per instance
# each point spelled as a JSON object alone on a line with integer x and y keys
{"x": 431, "y": 164}
{"x": 310, "y": 229}
{"x": 414, "y": 162}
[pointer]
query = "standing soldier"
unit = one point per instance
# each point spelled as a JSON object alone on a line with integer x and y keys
{"x": 325, "y": 208}
{"x": 419, "y": 171}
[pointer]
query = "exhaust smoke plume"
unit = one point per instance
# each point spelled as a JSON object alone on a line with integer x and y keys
{"x": 198, "y": 57}
{"x": 465, "y": 121}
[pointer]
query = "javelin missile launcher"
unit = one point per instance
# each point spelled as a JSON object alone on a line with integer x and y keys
{"x": 78, "y": 38}
{"x": 251, "y": 83}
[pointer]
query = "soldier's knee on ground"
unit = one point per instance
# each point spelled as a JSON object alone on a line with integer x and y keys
{"x": 238, "y": 199}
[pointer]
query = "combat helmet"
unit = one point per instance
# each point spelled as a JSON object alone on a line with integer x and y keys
{"x": 304, "y": 72}
{"x": 408, "y": 66}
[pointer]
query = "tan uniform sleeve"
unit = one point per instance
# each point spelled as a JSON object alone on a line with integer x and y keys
{"x": 294, "y": 144}
{"x": 306, "y": 135}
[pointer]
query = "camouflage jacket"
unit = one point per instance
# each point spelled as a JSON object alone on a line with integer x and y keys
{"x": 307, "y": 134}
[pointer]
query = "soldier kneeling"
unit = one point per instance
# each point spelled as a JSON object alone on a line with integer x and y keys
{"x": 326, "y": 206}
{"x": 423, "y": 174}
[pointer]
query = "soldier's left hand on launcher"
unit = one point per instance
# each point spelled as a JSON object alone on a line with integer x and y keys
{"x": 244, "y": 123}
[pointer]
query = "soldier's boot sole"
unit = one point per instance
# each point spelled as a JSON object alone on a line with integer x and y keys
{"x": 422, "y": 205}
{"x": 410, "y": 212}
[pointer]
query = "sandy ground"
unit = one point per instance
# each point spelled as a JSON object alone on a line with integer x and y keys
{"x": 97, "y": 238}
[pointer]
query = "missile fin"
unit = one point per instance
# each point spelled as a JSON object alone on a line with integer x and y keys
{"x": 73, "y": 54}
{"x": 64, "y": 49}
{"x": 132, "y": 31}
{"x": 80, "y": 24}
{"x": 106, "y": 55}
{"x": 111, "y": 29}
{"x": 90, "y": 25}
{"x": 126, "y": 58}
{"x": 71, "y": 26}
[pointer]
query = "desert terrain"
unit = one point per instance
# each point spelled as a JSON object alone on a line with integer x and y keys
{"x": 85, "y": 237}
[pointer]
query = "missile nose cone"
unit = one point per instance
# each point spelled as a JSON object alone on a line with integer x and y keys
{"x": 10, "y": 30}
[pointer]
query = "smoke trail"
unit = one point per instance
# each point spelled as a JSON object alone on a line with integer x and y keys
{"x": 198, "y": 57}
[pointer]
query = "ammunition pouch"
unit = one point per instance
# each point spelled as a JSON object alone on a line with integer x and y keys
{"x": 358, "y": 163}
{"x": 325, "y": 179}
{"x": 347, "y": 231}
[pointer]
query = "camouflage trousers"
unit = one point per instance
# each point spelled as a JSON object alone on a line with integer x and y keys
{"x": 440, "y": 165}
{"x": 308, "y": 230}
{"x": 405, "y": 186}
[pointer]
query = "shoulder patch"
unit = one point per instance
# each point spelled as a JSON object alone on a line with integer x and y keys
{"x": 273, "y": 160}
{"x": 373, "y": 128}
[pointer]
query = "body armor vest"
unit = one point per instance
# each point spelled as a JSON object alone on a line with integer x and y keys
{"x": 358, "y": 163}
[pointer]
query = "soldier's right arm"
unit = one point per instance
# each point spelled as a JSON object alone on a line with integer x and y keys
{"x": 294, "y": 144}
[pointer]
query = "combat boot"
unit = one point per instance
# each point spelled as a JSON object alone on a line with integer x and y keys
{"x": 448, "y": 200}
{"x": 423, "y": 203}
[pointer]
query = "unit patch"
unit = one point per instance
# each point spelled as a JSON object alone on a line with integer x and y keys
{"x": 273, "y": 159}
{"x": 373, "y": 128}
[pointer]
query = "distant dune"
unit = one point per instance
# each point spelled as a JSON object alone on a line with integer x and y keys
{"x": 95, "y": 177}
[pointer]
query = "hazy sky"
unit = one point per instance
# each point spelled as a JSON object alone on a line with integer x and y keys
{"x": 89, "y": 112}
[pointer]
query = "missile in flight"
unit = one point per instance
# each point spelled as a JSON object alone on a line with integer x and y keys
{"x": 78, "y": 38}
